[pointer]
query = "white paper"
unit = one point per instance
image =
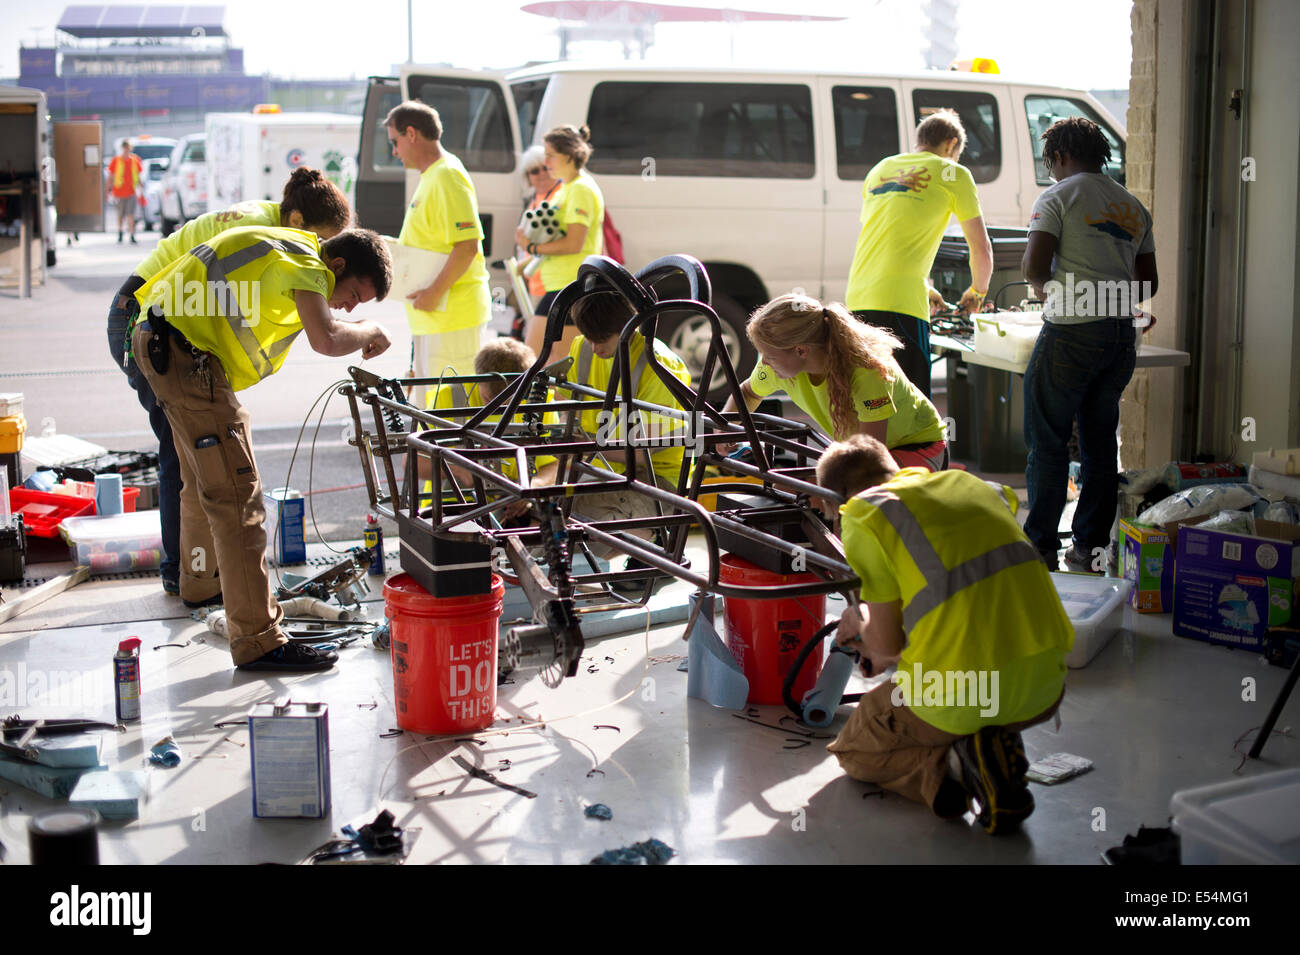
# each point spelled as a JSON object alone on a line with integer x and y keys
{"x": 414, "y": 269}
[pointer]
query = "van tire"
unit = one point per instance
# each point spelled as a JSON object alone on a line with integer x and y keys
{"x": 689, "y": 336}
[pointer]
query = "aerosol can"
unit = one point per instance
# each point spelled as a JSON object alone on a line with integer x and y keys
{"x": 374, "y": 541}
{"x": 126, "y": 680}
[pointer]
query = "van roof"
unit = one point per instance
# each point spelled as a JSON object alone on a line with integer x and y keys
{"x": 624, "y": 70}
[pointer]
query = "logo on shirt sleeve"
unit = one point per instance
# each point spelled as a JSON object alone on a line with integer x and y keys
{"x": 581, "y": 212}
{"x": 464, "y": 225}
{"x": 1119, "y": 220}
{"x": 872, "y": 404}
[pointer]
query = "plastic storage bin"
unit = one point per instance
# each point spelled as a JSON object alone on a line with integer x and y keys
{"x": 1007, "y": 335}
{"x": 1242, "y": 822}
{"x": 117, "y": 544}
{"x": 42, "y": 511}
{"x": 1095, "y": 605}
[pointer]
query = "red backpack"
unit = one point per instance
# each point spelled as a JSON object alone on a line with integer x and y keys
{"x": 613, "y": 239}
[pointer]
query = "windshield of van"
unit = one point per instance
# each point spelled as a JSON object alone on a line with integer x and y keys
{"x": 1042, "y": 111}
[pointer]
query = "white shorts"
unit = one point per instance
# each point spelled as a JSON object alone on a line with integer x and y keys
{"x": 445, "y": 354}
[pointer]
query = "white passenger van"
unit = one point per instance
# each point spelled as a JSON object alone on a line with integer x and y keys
{"x": 758, "y": 174}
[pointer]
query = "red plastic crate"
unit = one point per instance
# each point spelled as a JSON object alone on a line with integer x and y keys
{"x": 42, "y": 511}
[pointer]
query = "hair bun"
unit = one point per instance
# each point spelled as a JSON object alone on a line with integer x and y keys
{"x": 306, "y": 174}
{"x": 584, "y": 132}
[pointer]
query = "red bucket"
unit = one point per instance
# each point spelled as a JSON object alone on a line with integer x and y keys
{"x": 444, "y": 652}
{"x": 765, "y": 635}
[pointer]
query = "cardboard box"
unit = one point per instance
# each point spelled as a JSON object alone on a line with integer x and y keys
{"x": 1146, "y": 560}
{"x": 1230, "y": 588}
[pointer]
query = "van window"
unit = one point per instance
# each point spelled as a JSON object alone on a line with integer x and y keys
{"x": 381, "y": 153}
{"x": 866, "y": 128}
{"x": 528, "y": 100}
{"x": 475, "y": 121}
{"x": 1042, "y": 111}
{"x": 745, "y": 130}
{"x": 194, "y": 151}
{"x": 979, "y": 116}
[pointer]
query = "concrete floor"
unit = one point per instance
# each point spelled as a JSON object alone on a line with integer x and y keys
{"x": 1154, "y": 712}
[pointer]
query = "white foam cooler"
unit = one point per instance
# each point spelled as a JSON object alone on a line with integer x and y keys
{"x": 1250, "y": 821}
{"x": 1095, "y": 605}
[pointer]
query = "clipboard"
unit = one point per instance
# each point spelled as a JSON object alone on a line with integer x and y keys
{"x": 413, "y": 269}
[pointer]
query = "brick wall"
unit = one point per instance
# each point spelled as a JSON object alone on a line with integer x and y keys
{"x": 1140, "y": 179}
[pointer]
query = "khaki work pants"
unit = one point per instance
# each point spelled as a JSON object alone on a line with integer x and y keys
{"x": 221, "y": 495}
{"x": 897, "y": 750}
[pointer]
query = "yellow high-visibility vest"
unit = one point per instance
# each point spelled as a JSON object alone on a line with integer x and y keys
{"x": 233, "y": 295}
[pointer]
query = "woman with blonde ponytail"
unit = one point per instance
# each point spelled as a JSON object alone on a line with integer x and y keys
{"x": 843, "y": 374}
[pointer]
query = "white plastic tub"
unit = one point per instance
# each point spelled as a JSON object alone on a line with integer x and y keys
{"x": 1243, "y": 822}
{"x": 117, "y": 544}
{"x": 1095, "y": 605}
{"x": 1007, "y": 335}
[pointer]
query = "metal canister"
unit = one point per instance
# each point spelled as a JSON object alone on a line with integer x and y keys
{"x": 374, "y": 542}
{"x": 126, "y": 680}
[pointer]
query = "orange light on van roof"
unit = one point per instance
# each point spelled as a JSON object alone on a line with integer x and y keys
{"x": 980, "y": 64}
{"x": 266, "y": 108}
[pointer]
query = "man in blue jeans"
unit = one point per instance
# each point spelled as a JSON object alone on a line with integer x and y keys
{"x": 1091, "y": 257}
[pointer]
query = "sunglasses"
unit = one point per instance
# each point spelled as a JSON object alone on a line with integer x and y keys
{"x": 534, "y": 172}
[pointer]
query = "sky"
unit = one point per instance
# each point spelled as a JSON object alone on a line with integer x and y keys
{"x": 323, "y": 39}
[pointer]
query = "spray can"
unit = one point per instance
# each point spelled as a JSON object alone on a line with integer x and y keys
{"x": 126, "y": 680}
{"x": 374, "y": 541}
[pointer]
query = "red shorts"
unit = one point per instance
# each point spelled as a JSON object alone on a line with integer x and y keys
{"x": 932, "y": 457}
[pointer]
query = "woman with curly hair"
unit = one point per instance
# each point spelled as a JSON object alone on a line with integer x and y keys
{"x": 843, "y": 374}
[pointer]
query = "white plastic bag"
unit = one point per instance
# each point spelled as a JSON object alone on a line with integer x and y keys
{"x": 1199, "y": 501}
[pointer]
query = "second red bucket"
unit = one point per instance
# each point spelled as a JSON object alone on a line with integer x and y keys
{"x": 444, "y": 652}
{"x": 765, "y": 635}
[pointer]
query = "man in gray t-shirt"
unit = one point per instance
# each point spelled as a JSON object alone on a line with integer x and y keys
{"x": 1091, "y": 257}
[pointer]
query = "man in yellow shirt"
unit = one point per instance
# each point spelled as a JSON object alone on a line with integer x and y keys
{"x": 220, "y": 319}
{"x": 906, "y": 203}
{"x": 955, "y": 596}
{"x": 442, "y": 217}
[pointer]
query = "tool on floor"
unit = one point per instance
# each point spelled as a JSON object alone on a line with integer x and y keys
{"x": 43, "y": 593}
{"x": 343, "y": 580}
{"x": 18, "y": 738}
{"x": 126, "y": 680}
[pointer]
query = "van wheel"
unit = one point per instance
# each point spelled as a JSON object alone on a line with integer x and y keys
{"x": 689, "y": 335}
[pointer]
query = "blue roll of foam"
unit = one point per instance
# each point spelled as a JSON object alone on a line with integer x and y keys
{"x": 820, "y": 703}
{"x": 108, "y": 494}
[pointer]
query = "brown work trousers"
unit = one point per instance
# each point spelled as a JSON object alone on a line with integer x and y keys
{"x": 897, "y": 750}
{"x": 221, "y": 495}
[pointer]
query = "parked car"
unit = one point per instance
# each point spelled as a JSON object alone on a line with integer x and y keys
{"x": 153, "y": 173}
{"x": 185, "y": 183}
{"x": 148, "y": 146}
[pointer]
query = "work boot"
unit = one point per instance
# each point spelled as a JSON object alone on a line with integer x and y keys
{"x": 293, "y": 658}
{"x": 216, "y": 600}
{"x": 133, "y": 242}
{"x": 993, "y": 767}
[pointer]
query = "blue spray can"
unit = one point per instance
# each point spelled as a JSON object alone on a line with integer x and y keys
{"x": 374, "y": 541}
{"x": 126, "y": 680}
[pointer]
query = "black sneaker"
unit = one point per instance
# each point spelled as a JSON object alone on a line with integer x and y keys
{"x": 171, "y": 588}
{"x": 216, "y": 600}
{"x": 293, "y": 658}
{"x": 993, "y": 767}
{"x": 635, "y": 586}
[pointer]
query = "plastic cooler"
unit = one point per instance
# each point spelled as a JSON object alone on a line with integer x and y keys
{"x": 1095, "y": 605}
{"x": 115, "y": 544}
{"x": 1007, "y": 335}
{"x": 1242, "y": 822}
{"x": 42, "y": 511}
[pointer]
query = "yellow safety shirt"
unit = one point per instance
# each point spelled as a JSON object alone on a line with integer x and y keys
{"x": 588, "y": 369}
{"x": 233, "y": 296}
{"x": 206, "y": 226}
{"x": 581, "y": 203}
{"x": 912, "y": 419}
{"x": 442, "y": 213}
{"x": 978, "y": 603}
{"x": 906, "y": 202}
{"x": 457, "y": 395}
